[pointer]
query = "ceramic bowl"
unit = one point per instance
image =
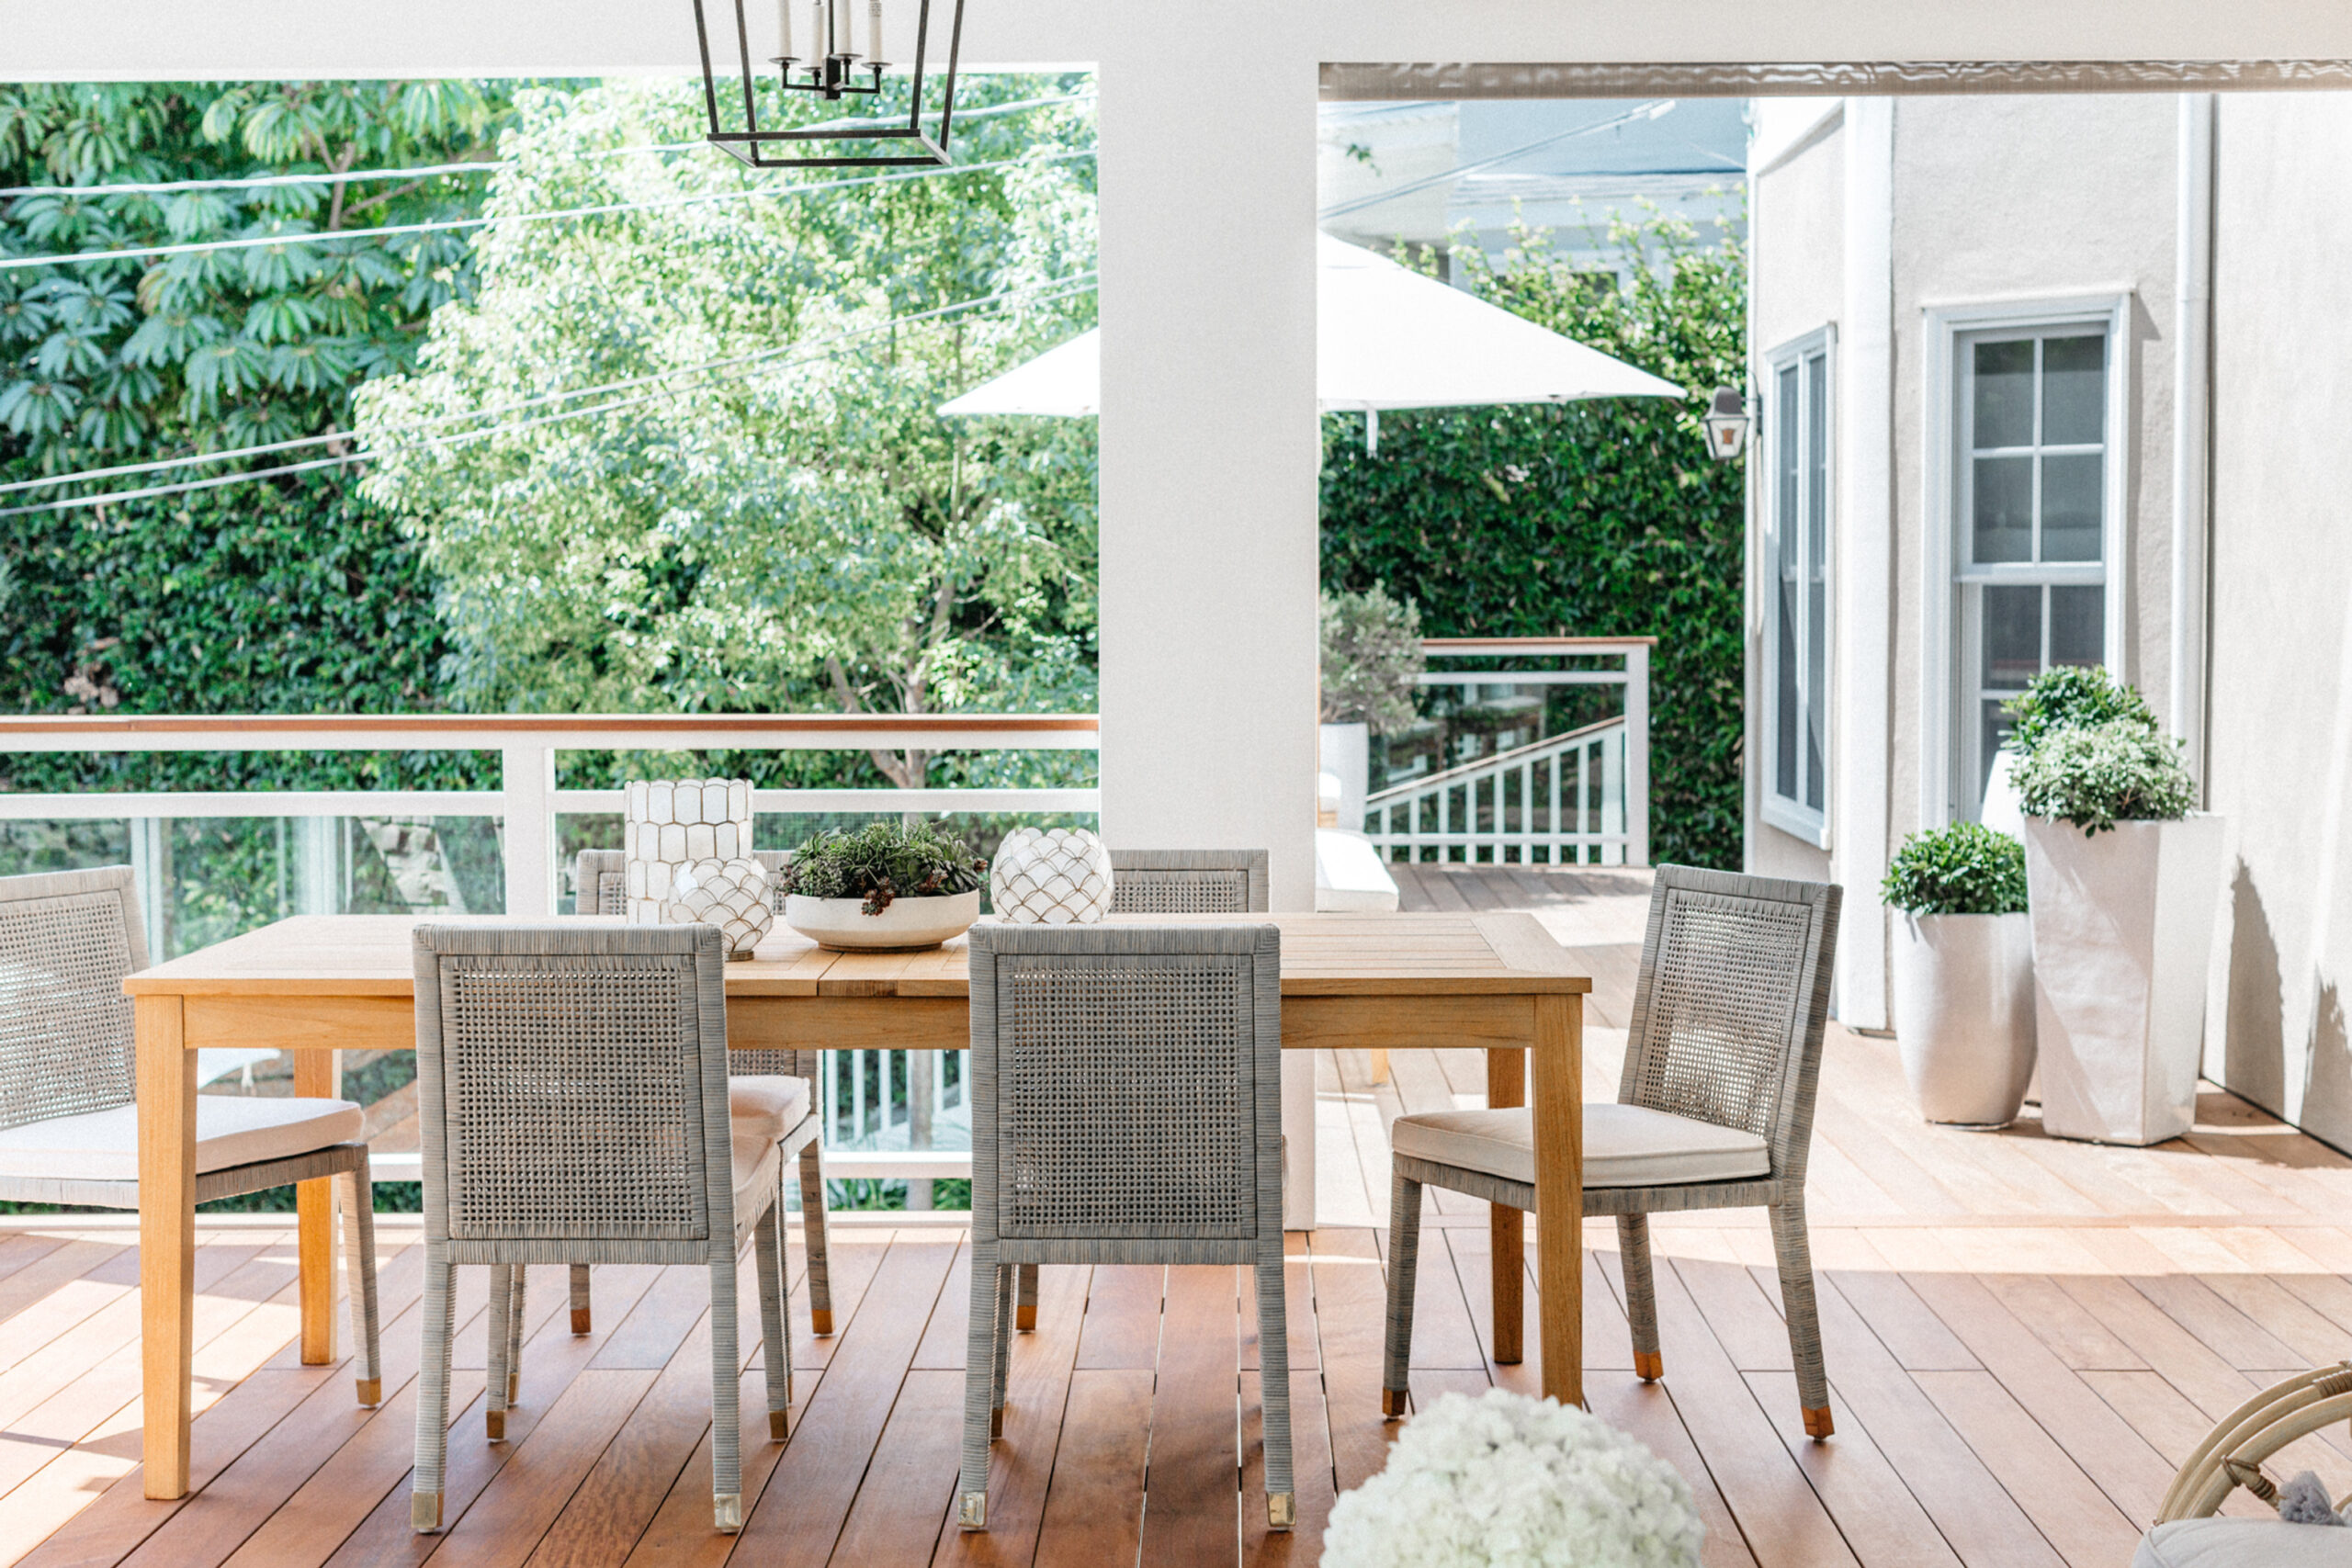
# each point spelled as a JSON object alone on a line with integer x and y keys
{"x": 907, "y": 925}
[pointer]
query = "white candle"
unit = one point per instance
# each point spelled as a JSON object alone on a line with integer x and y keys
{"x": 840, "y": 28}
{"x": 873, "y": 30}
{"x": 783, "y": 28}
{"x": 818, "y": 12}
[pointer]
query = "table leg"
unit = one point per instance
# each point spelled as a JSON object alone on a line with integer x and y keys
{"x": 1559, "y": 1191}
{"x": 317, "y": 1076}
{"x": 167, "y": 1074}
{"x": 1506, "y": 1086}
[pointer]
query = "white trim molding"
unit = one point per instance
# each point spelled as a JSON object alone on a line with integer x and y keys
{"x": 1943, "y": 325}
{"x": 1783, "y": 812}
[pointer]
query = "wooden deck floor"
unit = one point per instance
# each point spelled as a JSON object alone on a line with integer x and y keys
{"x": 2024, "y": 1336}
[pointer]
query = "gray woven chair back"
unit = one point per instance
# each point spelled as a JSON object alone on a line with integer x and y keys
{"x": 1128, "y": 1080}
{"x": 602, "y": 878}
{"x": 66, "y": 940}
{"x": 572, "y": 1086}
{"x": 1187, "y": 882}
{"x": 1731, "y": 1002}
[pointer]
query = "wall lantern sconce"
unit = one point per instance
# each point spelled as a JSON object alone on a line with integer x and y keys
{"x": 833, "y": 70}
{"x": 1726, "y": 423}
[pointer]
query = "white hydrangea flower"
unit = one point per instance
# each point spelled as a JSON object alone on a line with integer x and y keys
{"x": 1504, "y": 1481}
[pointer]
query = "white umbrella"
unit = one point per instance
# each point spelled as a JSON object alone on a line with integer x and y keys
{"x": 1386, "y": 338}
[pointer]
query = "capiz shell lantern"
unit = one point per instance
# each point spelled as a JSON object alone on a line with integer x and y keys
{"x": 1051, "y": 876}
{"x": 730, "y": 893}
{"x": 671, "y": 824}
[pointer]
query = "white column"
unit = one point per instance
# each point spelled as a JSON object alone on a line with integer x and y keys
{"x": 2191, "y": 380}
{"x": 1864, "y": 564}
{"x": 1209, "y": 450}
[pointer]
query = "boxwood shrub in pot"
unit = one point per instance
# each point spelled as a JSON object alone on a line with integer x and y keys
{"x": 1963, "y": 974}
{"x": 2124, "y": 877}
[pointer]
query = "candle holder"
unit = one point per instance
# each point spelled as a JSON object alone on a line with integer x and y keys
{"x": 837, "y": 72}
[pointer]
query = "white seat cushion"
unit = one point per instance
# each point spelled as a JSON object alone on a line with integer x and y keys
{"x": 2245, "y": 1543}
{"x": 758, "y": 1176}
{"x": 767, "y": 1106}
{"x": 230, "y": 1129}
{"x": 1624, "y": 1145}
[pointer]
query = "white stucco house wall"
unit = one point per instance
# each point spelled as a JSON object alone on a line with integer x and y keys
{"x": 2050, "y": 379}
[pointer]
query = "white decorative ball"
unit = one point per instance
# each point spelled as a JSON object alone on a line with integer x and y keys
{"x": 730, "y": 893}
{"x": 1504, "y": 1478}
{"x": 1051, "y": 876}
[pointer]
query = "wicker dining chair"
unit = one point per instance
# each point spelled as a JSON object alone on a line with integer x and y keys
{"x": 571, "y": 1093}
{"x": 69, "y": 1116}
{"x": 1165, "y": 882}
{"x": 764, "y": 1092}
{"x": 1714, "y": 1108}
{"x": 1126, "y": 1108}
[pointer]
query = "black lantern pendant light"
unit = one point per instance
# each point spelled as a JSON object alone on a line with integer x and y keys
{"x": 834, "y": 71}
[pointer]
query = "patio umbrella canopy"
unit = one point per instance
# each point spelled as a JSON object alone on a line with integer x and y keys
{"x": 1386, "y": 338}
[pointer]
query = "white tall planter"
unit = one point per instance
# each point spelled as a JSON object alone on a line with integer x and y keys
{"x": 2122, "y": 922}
{"x": 1347, "y": 756}
{"x": 1964, "y": 1014}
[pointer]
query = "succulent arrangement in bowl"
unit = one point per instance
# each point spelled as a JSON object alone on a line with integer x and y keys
{"x": 889, "y": 886}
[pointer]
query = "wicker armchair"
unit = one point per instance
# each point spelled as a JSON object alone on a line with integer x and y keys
{"x": 571, "y": 1092}
{"x": 1126, "y": 1108}
{"x": 69, "y": 1117}
{"x": 767, "y": 1095}
{"x": 1714, "y": 1109}
{"x": 1187, "y": 882}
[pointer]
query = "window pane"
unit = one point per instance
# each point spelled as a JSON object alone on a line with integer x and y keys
{"x": 2012, "y": 638}
{"x": 2004, "y": 394}
{"x": 2004, "y": 510}
{"x": 1816, "y": 687}
{"x": 2077, "y": 626}
{"x": 1784, "y": 464}
{"x": 1816, "y": 429}
{"x": 1784, "y": 682}
{"x": 2071, "y": 487}
{"x": 1816, "y": 598}
{"x": 2074, "y": 391}
{"x": 1995, "y": 729}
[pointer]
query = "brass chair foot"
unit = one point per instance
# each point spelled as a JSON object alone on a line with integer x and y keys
{"x": 371, "y": 1391}
{"x": 1649, "y": 1365}
{"x": 1392, "y": 1403}
{"x": 1817, "y": 1424}
{"x": 821, "y": 1322}
{"x": 1024, "y": 1319}
{"x": 996, "y": 1423}
{"x": 727, "y": 1512}
{"x": 1281, "y": 1510}
{"x": 513, "y": 1388}
{"x": 580, "y": 1317}
{"x": 972, "y": 1511}
{"x": 424, "y": 1512}
{"x": 776, "y": 1427}
{"x": 494, "y": 1424}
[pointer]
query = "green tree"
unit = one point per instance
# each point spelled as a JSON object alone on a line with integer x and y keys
{"x": 770, "y": 514}
{"x": 1604, "y": 518}
{"x": 288, "y": 594}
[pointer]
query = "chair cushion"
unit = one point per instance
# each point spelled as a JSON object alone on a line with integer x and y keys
{"x": 1624, "y": 1145}
{"x": 759, "y": 1175}
{"x": 770, "y": 1106}
{"x": 2245, "y": 1543}
{"x": 230, "y": 1129}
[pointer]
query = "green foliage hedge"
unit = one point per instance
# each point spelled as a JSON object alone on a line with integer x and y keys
{"x": 1965, "y": 869}
{"x": 1597, "y": 519}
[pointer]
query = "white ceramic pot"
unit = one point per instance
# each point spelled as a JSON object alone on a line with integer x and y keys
{"x": 1347, "y": 756}
{"x": 905, "y": 925}
{"x": 1964, "y": 1014}
{"x": 2122, "y": 922}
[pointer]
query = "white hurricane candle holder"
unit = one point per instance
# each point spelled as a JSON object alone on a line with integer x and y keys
{"x": 730, "y": 893}
{"x": 671, "y": 823}
{"x": 1051, "y": 876}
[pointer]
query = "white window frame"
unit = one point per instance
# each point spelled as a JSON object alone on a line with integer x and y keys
{"x": 1944, "y": 797}
{"x": 1791, "y": 814}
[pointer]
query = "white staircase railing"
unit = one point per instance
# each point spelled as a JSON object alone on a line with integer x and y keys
{"x": 1559, "y": 801}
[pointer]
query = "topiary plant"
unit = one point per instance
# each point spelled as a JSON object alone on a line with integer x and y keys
{"x": 2073, "y": 697}
{"x": 2121, "y": 770}
{"x": 1965, "y": 869}
{"x": 1372, "y": 659}
{"x": 882, "y": 862}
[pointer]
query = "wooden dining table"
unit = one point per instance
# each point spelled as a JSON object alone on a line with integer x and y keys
{"x": 316, "y": 985}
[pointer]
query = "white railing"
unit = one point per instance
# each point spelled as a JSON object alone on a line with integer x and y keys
{"x": 1580, "y": 798}
{"x": 894, "y": 1103}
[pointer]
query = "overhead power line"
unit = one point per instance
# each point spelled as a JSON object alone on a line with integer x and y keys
{"x": 1646, "y": 111}
{"x": 1059, "y": 289}
{"x": 310, "y": 237}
